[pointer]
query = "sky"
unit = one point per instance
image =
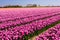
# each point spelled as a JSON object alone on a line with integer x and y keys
{"x": 25, "y": 2}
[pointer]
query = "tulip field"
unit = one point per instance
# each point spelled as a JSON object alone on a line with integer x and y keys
{"x": 30, "y": 23}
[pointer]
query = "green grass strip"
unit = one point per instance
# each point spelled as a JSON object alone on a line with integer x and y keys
{"x": 37, "y": 32}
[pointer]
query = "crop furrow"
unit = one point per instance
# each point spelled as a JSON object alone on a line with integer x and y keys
{"x": 50, "y": 34}
{"x": 24, "y": 30}
{"x": 14, "y": 19}
{"x": 14, "y": 25}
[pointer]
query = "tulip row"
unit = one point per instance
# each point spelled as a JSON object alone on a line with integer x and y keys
{"x": 40, "y": 15}
{"x": 19, "y": 31}
{"x": 22, "y": 21}
{"x": 51, "y": 34}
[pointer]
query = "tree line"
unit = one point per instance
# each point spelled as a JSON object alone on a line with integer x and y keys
{"x": 29, "y": 5}
{"x": 19, "y": 6}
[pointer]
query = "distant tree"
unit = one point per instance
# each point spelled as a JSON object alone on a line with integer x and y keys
{"x": 11, "y": 6}
{"x": 38, "y": 5}
{"x": 0, "y": 6}
{"x": 31, "y": 5}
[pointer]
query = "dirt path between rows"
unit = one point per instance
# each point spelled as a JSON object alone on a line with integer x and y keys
{"x": 33, "y": 38}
